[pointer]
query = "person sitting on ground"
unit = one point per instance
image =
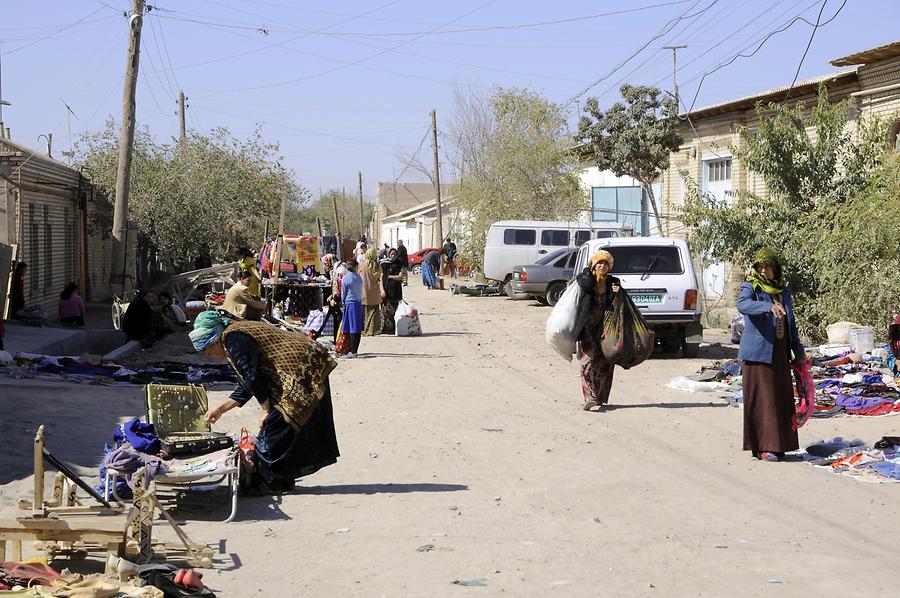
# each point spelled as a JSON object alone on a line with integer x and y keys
{"x": 599, "y": 288}
{"x": 71, "y": 306}
{"x": 246, "y": 262}
{"x": 173, "y": 317}
{"x": 240, "y": 302}
{"x": 17, "y": 292}
{"x": 140, "y": 323}
{"x": 288, "y": 375}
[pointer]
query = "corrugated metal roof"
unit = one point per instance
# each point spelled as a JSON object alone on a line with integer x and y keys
{"x": 14, "y": 147}
{"x": 884, "y": 52}
{"x": 753, "y": 99}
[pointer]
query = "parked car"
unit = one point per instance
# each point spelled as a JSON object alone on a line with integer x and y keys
{"x": 511, "y": 243}
{"x": 415, "y": 259}
{"x": 658, "y": 274}
{"x": 546, "y": 280}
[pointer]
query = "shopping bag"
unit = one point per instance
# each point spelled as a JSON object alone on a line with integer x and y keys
{"x": 566, "y": 321}
{"x": 626, "y": 339}
{"x": 342, "y": 346}
{"x": 806, "y": 393}
{"x": 406, "y": 320}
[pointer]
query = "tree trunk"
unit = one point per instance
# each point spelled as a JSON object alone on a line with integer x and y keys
{"x": 652, "y": 198}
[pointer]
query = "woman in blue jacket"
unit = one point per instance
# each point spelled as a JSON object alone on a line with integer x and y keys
{"x": 770, "y": 335}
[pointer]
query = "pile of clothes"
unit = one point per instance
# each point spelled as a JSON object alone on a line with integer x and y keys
{"x": 877, "y": 463}
{"x": 723, "y": 377}
{"x": 854, "y": 384}
{"x": 94, "y": 370}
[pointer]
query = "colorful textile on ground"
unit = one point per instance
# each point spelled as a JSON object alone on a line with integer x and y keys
{"x": 878, "y": 464}
{"x": 296, "y": 368}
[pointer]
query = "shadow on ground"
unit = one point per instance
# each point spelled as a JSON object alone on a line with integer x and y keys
{"x": 382, "y": 488}
{"x": 718, "y": 403}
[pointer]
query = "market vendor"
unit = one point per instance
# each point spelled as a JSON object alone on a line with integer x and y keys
{"x": 240, "y": 302}
{"x": 288, "y": 375}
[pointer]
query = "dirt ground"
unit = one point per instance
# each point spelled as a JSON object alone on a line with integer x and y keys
{"x": 466, "y": 455}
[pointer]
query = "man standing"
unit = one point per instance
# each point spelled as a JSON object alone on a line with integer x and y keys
{"x": 240, "y": 302}
{"x": 384, "y": 252}
{"x": 404, "y": 260}
{"x": 450, "y": 254}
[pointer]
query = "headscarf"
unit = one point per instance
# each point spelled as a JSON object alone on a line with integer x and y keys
{"x": 601, "y": 256}
{"x": 767, "y": 257}
{"x": 372, "y": 262}
{"x": 208, "y": 327}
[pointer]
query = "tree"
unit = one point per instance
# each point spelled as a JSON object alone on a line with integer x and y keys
{"x": 511, "y": 149}
{"x": 209, "y": 193}
{"x": 635, "y": 138}
{"x": 831, "y": 204}
{"x": 302, "y": 220}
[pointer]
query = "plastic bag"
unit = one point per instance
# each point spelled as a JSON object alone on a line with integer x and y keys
{"x": 566, "y": 321}
{"x": 626, "y": 340}
{"x": 688, "y": 385}
{"x": 406, "y": 319}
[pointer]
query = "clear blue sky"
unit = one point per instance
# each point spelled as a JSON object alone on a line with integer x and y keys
{"x": 343, "y": 85}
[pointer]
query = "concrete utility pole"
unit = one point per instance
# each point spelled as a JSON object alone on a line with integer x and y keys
{"x": 182, "y": 130}
{"x": 123, "y": 270}
{"x": 362, "y": 217}
{"x": 674, "y": 69}
{"x": 439, "y": 223}
{"x": 337, "y": 226}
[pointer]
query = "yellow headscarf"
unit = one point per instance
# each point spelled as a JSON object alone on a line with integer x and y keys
{"x": 372, "y": 264}
{"x": 601, "y": 256}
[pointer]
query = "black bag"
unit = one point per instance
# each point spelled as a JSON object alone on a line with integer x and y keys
{"x": 180, "y": 444}
{"x": 626, "y": 340}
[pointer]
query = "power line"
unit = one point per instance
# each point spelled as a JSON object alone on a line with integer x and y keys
{"x": 57, "y": 31}
{"x": 171, "y": 86}
{"x": 812, "y": 35}
{"x": 665, "y": 29}
{"x": 188, "y": 17}
{"x": 361, "y": 60}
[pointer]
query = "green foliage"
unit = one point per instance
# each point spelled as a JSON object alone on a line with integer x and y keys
{"x": 635, "y": 138}
{"x": 831, "y": 209}
{"x": 303, "y": 220}
{"x": 516, "y": 165}
{"x": 208, "y": 193}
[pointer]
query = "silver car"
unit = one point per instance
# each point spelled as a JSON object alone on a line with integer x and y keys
{"x": 545, "y": 280}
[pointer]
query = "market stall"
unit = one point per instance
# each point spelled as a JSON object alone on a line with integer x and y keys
{"x": 295, "y": 285}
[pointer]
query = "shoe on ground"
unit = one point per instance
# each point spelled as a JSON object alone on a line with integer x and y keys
{"x": 588, "y": 405}
{"x": 351, "y": 356}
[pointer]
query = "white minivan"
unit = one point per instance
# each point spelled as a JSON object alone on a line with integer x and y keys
{"x": 512, "y": 243}
{"x": 659, "y": 276}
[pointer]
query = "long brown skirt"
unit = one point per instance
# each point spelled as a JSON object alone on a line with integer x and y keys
{"x": 769, "y": 403}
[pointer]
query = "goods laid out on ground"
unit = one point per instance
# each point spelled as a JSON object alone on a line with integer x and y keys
{"x": 475, "y": 290}
{"x": 94, "y": 370}
{"x": 877, "y": 463}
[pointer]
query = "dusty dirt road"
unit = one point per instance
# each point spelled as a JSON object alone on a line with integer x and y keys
{"x": 466, "y": 455}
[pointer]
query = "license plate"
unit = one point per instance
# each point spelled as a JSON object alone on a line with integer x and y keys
{"x": 646, "y": 299}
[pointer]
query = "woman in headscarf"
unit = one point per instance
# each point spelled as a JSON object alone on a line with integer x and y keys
{"x": 770, "y": 335}
{"x": 393, "y": 290}
{"x": 373, "y": 293}
{"x": 599, "y": 287}
{"x": 288, "y": 375}
{"x": 353, "y": 321}
{"x": 247, "y": 263}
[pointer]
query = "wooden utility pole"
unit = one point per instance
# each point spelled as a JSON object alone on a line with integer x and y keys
{"x": 181, "y": 127}
{"x": 439, "y": 222}
{"x": 362, "y": 217}
{"x": 319, "y": 225}
{"x": 122, "y": 269}
{"x": 337, "y": 226}
{"x": 281, "y": 214}
{"x": 674, "y": 69}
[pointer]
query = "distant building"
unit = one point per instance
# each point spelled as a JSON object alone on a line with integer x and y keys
{"x": 416, "y": 225}
{"x": 52, "y": 220}
{"x": 395, "y": 201}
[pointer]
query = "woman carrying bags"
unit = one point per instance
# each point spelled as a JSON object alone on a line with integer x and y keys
{"x": 599, "y": 289}
{"x": 770, "y": 336}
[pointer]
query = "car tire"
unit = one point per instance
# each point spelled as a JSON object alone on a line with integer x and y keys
{"x": 690, "y": 350}
{"x": 542, "y": 299}
{"x": 505, "y": 287}
{"x": 417, "y": 269}
{"x": 555, "y": 292}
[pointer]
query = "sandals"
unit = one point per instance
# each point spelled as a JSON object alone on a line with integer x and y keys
{"x": 768, "y": 456}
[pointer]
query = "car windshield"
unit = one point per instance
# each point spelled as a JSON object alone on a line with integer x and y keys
{"x": 551, "y": 257}
{"x": 638, "y": 259}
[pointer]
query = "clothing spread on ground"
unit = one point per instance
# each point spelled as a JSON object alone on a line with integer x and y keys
{"x": 93, "y": 370}
{"x": 876, "y": 463}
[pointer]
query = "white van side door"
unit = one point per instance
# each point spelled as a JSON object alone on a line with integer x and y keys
{"x": 519, "y": 247}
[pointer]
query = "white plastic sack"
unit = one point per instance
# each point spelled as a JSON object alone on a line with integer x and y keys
{"x": 682, "y": 383}
{"x": 5, "y": 358}
{"x": 839, "y": 333}
{"x": 406, "y": 319}
{"x": 564, "y": 323}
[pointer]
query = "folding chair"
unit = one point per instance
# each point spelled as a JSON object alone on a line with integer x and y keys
{"x": 177, "y": 411}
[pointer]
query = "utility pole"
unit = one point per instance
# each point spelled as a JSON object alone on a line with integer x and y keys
{"x": 181, "y": 128}
{"x": 337, "y": 226}
{"x": 437, "y": 182}
{"x": 2, "y": 103}
{"x": 674, "y": 69}
{"x": 123, "y": 270}
{"x": 69, "y": 114}
{"x": 362, "y": 218}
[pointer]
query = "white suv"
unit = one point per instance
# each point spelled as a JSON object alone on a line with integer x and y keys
{"x": 659, "y": 276}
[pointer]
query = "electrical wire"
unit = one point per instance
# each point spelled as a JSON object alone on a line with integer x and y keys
{"x": 58, "y": 31}
{"x": 361, "y": 60}
{"x": 415, "y": 155}
{"x": 171, "y": 86}
{"x": 162, "y": 37}
{"x": 188, "y": 17}
{"x": 812, "y": 35}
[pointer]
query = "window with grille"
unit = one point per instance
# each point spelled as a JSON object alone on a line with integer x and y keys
{"x": 718, "y": 170}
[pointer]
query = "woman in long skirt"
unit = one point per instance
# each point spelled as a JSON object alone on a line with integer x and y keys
{"x": 393, "y": 290}
{"x": 373, "y": 292}
{"x": 353, "y": 321}
{"x": 770, "y": 335}
{"x": 596, "y": 371}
